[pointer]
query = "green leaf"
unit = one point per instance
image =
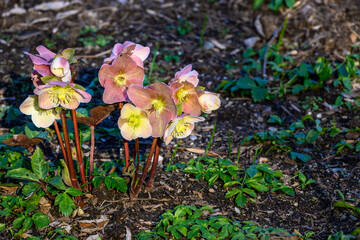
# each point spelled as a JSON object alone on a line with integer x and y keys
{"x": 29, "y": 188}
{"x": 116, "y": 182}
{"x": 246, "y": 83}
{"x": 289, "y": 3}
{"x": 241, "y": 200}
{"x": 257, "y": 4}
{"x": 96, "y": 181}
{"x": 66, "y": 204}
{"x": 38, "y": 165}
{"x": 258, "y": 94}
{"x": 57, "y": 182}
{"x": 18, "y": 221}
{"x": 259, "y": 187}
{"x": 31, "y": 130}
{"x": 312, "y": 136}
{"x": 302, "y": 177}
{"x": 68, "y": 53}
{"x": 250, "y": 192}
{"x": 275, "y": 119}
{"x": 48, "y": 79}
{"x": 287, "y": 190}
{"x": 23, "y": 174}
{"x": 40, "y": 220}
{"x": 74, "y": 192}
{"x": 232, "y": 192}
{"x": 28, "y": 222}
{"x": 356, "y": 231}
{"x": 2, "y": 226}
{"x": 300, "y": 156}
{"x": 343, "y": 204}
{"x": 251, "y": 171}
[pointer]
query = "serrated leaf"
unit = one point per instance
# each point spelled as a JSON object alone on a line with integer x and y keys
{"x": 258, "y": 94}
{"x": 251, "y": 171}
{"x": 232, "y": 192}
{"x": 29, "y": 188}
{"x": 287, "y": 190}
{"x": 96, "y": 181}
{"x": 73, "y": 192}
{"x": 38, "y": 165}
{"x": 2, "y": 226}
{"x": 302, "y": 177}
{"x": 57, "y": 182}
{"x": 66, "y": 204}
{"x": 28, "y": 222}
{"x": 23, "y": 174}
{"x": 240, "y": 200}
{"x": 259, "y": 187}
{"x": 31, "y": 133}
{"x": 312, "y": 136}
{"x": 300, "y": 156}
{"x": 40, "y": 220}
{"x": 18, "y": 221}
{"x": 250, "y": 192}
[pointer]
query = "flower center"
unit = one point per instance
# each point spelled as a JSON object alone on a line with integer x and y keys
{"x": 182, "y": 95}
{"x": 62, "y": 94}
{"x": 120, "y": 80}
{"x": 158, "y": 104}
{"x": 134, "y": 121}
{"x": 181, "y": 128}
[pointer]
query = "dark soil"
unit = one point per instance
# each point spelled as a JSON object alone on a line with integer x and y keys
{"x": 315, "y": 28}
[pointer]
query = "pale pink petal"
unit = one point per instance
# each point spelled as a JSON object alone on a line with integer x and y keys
{"x": 134, "y": 76}
{"x": 43, "y": 70}
{"x": 138, "y": 61}
{"x": 141, "y": 52}
{"x": 37, "y": 60}
{"x": 67, "y": 77}
{"x": 41, "y": 120}
{"x": 193, "y": 80}
{"x": 114, "y": 93}
{"x": 105, "y": 74}
{"x": 183, "y": 71}
{"x": 60, "y": 67}
{"x": 45, "y": 53}
{"x": 165, "y": 92}
{"x": 44, "y": 101}
{"x": 159, "y": 124}
{"x": 118, "y": 48}
{"x": 129, "y": 109}
{"x": 122, "y": 64}
{"x": 85, "y": 97}
{"x": 141, "y": 97}
{"x": 144, "y": 130}
{"x": 170, "y": 128}
{"x": 73, "y": 103}
{"x": 28, "y": 106}
{"x": 192, "y": 106}
{"x": 109, "y": 59}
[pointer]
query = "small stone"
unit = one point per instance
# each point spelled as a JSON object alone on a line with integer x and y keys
{"x": 250, "y": 42}
{"x": 237, "y": 210}
{"x": 296, "y": 204}
{"x": 208, "y": 45}
{"x": 319, "y": 115}
{"x": 211, "y": 190}
{"x": 193, "y": 138}
{"x": 273, "y": 129}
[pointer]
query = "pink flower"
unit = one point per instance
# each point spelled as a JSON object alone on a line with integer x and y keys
{"x": 118, "y": 76}
{"x": 42, "y": 118}
{"x": 134, "y": 123}
{"x": 185, "y": 75}
{"x": 46, "y": 58}
{"x": 67, "y": 95}
{"x": 185, "y": 93}
{"x": 209, "y": 101}
{"x": 157, "y": 101}
{"x": 137, "y": 52}
{"x": 181, "y": 127}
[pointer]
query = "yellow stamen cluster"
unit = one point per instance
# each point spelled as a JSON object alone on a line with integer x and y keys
{"x": 120, "y": 80}
{"x": 62, "y": 94}
{"x": 182, "y": 95}
{"x": 134, "y": 121}
{"x": 158, "y": 104}
{"x": 181, "y": 128}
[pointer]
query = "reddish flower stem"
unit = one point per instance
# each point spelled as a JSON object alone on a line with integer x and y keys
{"x": 137, "y": 161}
{"x": 155, "y": 162}
{"x": 60, "y": 142}
{"x": 78, "y": 149}
{"x": 136, "y": 191}
{"x": 92, "y": 150}
{"x": 126, "y": 143}
{"x": 68, "y": 151}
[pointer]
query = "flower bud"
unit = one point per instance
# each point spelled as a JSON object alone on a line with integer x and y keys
{"x": 60, "y": 67}
{"x": 209, "y": 101}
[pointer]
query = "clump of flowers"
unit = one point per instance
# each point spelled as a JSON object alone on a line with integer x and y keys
{"x": 161, "y": 111}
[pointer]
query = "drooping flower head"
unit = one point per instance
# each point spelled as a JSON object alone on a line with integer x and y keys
{"x": 47, "y": 63}
{"x": 137, "y": 52}
{"x": 157, "y": 101}
{"x": 57, "y": 93}
{"x": 186, "y": 94}
{"x": 209, "y": 101}
{"x": 118, "y": 76}
{"x": 42, "y": 118}
{"x": 185, "y": 75}
{"x": 134, "y": 123}
{"x": 181, "y": 127}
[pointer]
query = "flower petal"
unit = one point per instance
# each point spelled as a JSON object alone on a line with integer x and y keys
{"x": 159, "y": 123}
{"x": 134, "y": 76}
{"x": 37, "y": 60}
{"x": 141, "y": 52}
{"x": 45, "y": 102}
{"x": 41, "y": 120}
{"x": 114, "y": 93}
{"x": 45, "y": 53}
{"x": 145, "y": 129}
{"x": 127, "y": 132}
{"x": 43, "y": 70}
{"x": 28, "y": 106}
{"x": 192, "y": 106}
{"x": 165, "y": 92}
{"x": 140, "y": 96}
{"x": 122, "y": 64}
{"x": 105, "y": 74}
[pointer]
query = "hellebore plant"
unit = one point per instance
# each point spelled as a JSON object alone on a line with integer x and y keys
{"x": 160, "y": 111}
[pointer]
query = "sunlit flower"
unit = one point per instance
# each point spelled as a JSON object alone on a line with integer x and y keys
{"x": 47, "y": 63}
{"x": 209, "y": 101}
{"x": 181, "y": 127}
{"x": 42, "y": 118}
{"x": 118, "y": 76}
{"x": 185, "y": 75}
{"x": 185, "y": 93}
{"x": 67, "y": 95}
{"x": 137, "y": 52}
{"x": 157, "y": 101}
{"x": 134, "y": 123}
